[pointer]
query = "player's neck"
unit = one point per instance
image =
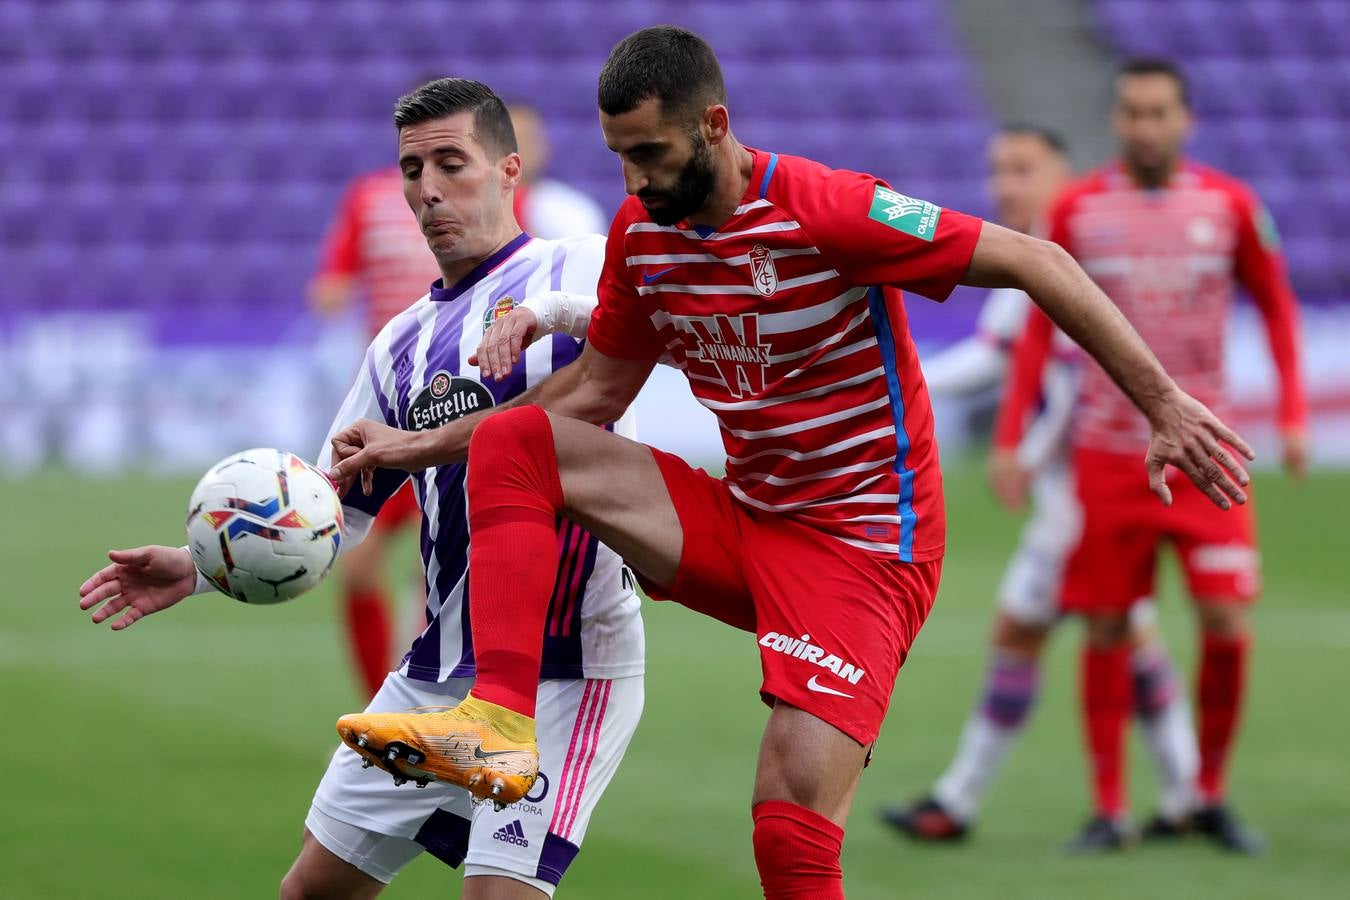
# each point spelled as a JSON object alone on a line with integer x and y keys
{"x": 733, "y": 180}
{"x": 1153, "y": 177}
{"x": 453, "y": 272}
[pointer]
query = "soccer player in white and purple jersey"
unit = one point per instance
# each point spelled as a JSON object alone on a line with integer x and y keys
{"x": 459, "y": 167}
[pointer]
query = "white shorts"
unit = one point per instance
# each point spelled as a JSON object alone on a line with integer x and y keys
{"x": 583, "y": 728}
{"x": 1029, "y": 592}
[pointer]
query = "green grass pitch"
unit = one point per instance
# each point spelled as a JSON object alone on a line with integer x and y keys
{"x": 177, "y": 759}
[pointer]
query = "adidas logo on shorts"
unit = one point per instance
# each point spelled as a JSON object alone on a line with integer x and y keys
{"x": 511, "y": 834}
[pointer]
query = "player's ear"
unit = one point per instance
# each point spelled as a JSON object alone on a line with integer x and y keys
{"x": 716, "y": 123}
{"x": 511, "y": 168}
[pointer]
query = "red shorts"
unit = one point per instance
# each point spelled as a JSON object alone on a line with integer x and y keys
{"x": 399, "y": 511}
{"x": 834, "y": 622}
{"x": 1124, "y": 523}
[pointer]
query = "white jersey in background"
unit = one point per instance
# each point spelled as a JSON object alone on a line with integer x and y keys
{"x": 416, "y": 376}
{"x": 980, "y": 362}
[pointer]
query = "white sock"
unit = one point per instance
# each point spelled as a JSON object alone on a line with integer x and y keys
{"x": 1164, "y": 718}
{"x": 979, "y": 755}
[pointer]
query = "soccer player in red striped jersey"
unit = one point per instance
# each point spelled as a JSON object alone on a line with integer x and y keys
{"x": 1167, "y": 238}
{"x": 775, "y": 284}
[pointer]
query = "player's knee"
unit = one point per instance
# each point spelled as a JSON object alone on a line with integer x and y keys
{"x": 1222, "y": 618}
{"x": 1021, "y": 638}
{"x": 293, "y": 886}
{"x": 1108, "y": 630}
{"x": 520, "y": 429}
{"x": 514, "y": 449}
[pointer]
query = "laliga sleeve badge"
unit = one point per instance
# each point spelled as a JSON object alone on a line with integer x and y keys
{"x": 499, "y": 310}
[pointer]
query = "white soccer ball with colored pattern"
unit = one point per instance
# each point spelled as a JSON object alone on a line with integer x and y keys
{"x": 264, "y": 526}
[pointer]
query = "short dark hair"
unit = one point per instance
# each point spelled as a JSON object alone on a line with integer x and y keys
{"x": 674, "y": 65}
{"x": 1048, "y": 136}
{"x": 448, "y": 96}
{"x": 1158, "y": 65}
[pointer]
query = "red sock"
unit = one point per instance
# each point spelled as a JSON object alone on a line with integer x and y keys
{"x": 514, "y": 501}
{"x": 370, "y": 636}
{"x": 797, "y": 852}
{"x": 1223, "y": 671}
{"x": 1106, "y": 696}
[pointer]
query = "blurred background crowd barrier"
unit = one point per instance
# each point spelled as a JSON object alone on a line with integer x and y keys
{"x": 168, "y": 171}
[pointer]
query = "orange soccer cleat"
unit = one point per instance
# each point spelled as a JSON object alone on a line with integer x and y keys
{"x": 486, "y": 749}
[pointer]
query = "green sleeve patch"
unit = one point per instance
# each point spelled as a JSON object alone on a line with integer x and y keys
{"x": 1265, "y": 229}
{"x": 915, "y": 217}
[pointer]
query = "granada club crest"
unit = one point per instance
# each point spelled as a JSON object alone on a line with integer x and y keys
{"x": 499, "y": 310}
{"x": 762, "y": 271}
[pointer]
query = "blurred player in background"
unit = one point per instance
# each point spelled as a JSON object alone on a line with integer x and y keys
{"x": 775, "y": 284}
{"x": 458, "y": 167}
{"x": 1167, "y": 238}
{"x": 545, "y": 207}
{"x": 1028, "y": 168}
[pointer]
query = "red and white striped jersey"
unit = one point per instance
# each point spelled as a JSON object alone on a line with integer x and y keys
{"x": 1169, "y": 258}
{"x": 788, "y": 323}
{"x": 375, "y": 239}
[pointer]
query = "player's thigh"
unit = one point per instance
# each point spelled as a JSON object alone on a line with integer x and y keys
{"x": 319, "y": 873}
{"x": 808, "y": 762}
{"x": 675, "y": 525}
{"x": 834, "y": 623}
{"x": 613, "y": 487}
{"x": 1028, "y": 594}
{"x": 1115, "y": 559}
{"x": 1217, "y": 550}
{"x": 583, "y": 727}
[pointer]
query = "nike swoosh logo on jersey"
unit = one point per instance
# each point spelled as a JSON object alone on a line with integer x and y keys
{"x": 813, "y": 685}
{"x": 649, "y": 277}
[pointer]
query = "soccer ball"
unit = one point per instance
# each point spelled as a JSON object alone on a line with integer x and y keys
{"x": 264, "y": 526}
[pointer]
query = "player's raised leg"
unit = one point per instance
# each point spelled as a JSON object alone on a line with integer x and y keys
{"x": 526, "y": 468}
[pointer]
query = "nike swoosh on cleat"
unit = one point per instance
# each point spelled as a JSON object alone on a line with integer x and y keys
{"x": 480, "y": 753}
{"x": 812, "y": 685}
{"x": 649, "y": 277}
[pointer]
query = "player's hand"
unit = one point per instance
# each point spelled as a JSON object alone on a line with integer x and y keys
{"x": 138, "y": 582}
{"x": 502, "y": 343}
{"x": 1190, "y": 437}
{"x": 1008, "y": 479}
{"x": 1296, "y": 454}
{"x": 367, "y": 445}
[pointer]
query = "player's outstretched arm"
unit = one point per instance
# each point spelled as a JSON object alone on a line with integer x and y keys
{"x": 596, "y": 389}
{"x": 138, "y": 582}
{"x": 1185, "y": 433}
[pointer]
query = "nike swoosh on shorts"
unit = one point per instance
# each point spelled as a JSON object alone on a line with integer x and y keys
{"x": 813, "y": 685}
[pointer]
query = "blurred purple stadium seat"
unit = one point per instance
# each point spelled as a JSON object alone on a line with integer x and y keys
{"x": 210, "y": 141}
{"x": 1272, "y": 87}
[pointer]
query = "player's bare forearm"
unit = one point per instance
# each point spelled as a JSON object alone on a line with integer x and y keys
{"x": 1058, "y": 285}
{"x": 595, "y": 389}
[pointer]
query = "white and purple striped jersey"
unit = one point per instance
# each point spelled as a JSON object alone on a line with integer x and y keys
{"x": 416, "y": 376}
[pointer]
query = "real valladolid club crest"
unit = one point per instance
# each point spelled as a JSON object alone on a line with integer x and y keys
{"x": 446, "y": 398}
{"x": 762, "y": 271}
{"x": 499, "y": 310}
